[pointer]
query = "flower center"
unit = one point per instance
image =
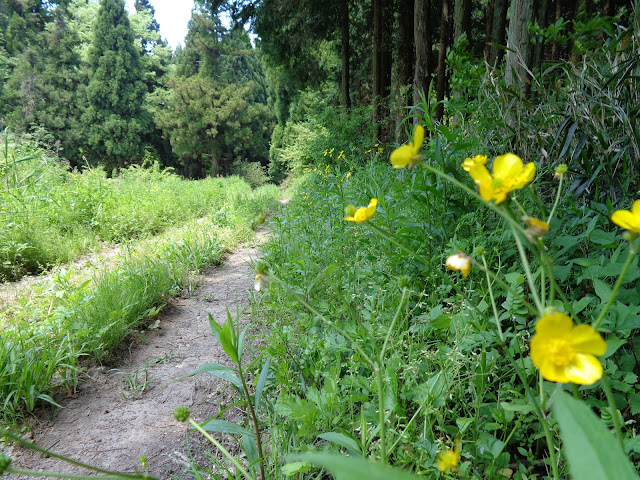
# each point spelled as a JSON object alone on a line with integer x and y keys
{"x": 561, "y": 352}
{"x": 497, "y": 184}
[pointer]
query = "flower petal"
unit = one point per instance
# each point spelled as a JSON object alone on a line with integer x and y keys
{"x": 627, "y": 220}
{"x": 635, "y": 208}
{"x": 552, "y": 372}
{"x": 585, "y": 370}
{"x": 526, "y": 176}
{"x": 482, "y": 178}
{"x": 401, "y": 156}
{"x": 507, "y": 167}
{"x": 418, "y": 138}
{"x": 554, "y": 325}
{"x": 586, "y": 340}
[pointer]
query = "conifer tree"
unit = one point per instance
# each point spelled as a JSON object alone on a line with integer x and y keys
{"x": 115, "y": 116}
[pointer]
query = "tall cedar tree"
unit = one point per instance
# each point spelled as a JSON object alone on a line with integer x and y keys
{"x": 115, "y": 115}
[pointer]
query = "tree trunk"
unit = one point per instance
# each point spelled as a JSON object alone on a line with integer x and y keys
{"x": 405, "y": 42}
{"x": 423, "y": 42}
{"x": 498, "y": 32}
{"x": 445, "y": 27}
{"x": 542, "y": 13}
{"x": 518, "y": 55}
{"x": 488, "y": 27}
{"x": 462, "y": 19}
{"x": 344, "y": 33}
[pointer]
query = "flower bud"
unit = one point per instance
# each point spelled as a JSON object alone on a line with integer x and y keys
{"x": 181, "y": 413}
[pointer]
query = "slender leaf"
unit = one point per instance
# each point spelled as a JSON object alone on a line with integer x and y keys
{"x": 222, "y": 426}
{"x": 262, "y": 379}
{"x": 342, "y": 440}
{"x": 351, "y": 468}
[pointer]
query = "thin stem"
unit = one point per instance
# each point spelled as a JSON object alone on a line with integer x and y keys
{"x": 506, "y": 286}
{"x": 506, "y": 442}
{"x": 555, "y": 204}
{"x": 500, "y": 211}
{"x": 632, "y": 253}
{"x": 543, "y": 419}
{"x": 36, "y": 448}
{"x": 381, "y": 415}
{"x": 219, "y": 446}
{"x": 422, "y": 260}
{"x": 493, "y": 301}
{"x": 35, "y": 473}
{"x": 405, "y": 293}
{"x": 527, "y": 271}
{"x": 256, "y": 427}
{"x": 309, "y": 307}
{"x": 614, "y": 411}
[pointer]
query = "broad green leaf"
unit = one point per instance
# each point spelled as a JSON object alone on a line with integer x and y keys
{"x": 342, "y": 440}
{"x": 222, "y": 426}
{"x": 295, "y": 467}
{"x": 250, "y": 448}
{"x": 590, "y": 448}
{"x": 463, "y": 423}
{"x": 517, "y": 407}
{"x": 602, "y": 290}
{"x": 262, "y": 379}
{"x": 351, "y": 468}
{"x": 220, "y": 371}
{"x": 613, "y": 344}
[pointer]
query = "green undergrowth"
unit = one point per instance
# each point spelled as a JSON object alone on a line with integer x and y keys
{"x": 50, "y": 215}
{"x": 339, "y": 291}
{"x": 81, "y": 312}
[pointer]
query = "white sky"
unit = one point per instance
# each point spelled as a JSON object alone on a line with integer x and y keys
{"x": 173, "y": 16}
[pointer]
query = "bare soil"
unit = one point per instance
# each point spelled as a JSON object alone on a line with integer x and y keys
{"x": 101, "y": 426}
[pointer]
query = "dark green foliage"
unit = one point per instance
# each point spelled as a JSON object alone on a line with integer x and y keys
{"x": 115, "y": 116}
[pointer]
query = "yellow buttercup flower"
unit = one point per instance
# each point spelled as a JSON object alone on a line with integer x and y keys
{"x": 470, "y": 162}
{"x": 566, "y": 353}
{"x": 509, "y": 174}
{"x": 629, "y": 220}
{"x": 362, "y": 214}
{"x": 459, "y": 262}
{"x": 408, "y": 154}
{"x": 537, "y": 228}
{"x": 448, "y": 459}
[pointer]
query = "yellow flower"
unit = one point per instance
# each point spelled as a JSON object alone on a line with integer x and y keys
{"x": 459, "y": 262}
{"x": 509, "y": 174}
{"x": 408, "y": 154}
{"x": 448, "y": 459}
{"x": 628, "y": 219}
{"x": 261, "y": 281}
{"x": 567, "y": 353}
{"x": 341, "y": 155}
{"x": 362, "y": 214}
{"x": 537, "y": 228}
{"x": 470, "y": 162}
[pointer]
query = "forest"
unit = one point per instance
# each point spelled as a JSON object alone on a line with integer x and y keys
{"x": 451, "y": 290}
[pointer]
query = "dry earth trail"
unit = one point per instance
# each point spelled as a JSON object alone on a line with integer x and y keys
{"x": 101, "y": 427}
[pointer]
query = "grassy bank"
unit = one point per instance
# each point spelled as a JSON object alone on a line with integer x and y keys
{"x": 87, "y": 312}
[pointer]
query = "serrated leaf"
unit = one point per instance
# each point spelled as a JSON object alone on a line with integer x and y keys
{"x": 342, "y": 440}
{"x": 222, "y": 426}
{"x": 590, "y": 448}
{"x": 352, "y": 468}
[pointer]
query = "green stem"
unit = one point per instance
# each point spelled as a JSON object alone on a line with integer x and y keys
{"x": 309, "y": 307}
{"x": 542, "y": 417}
{"x": 422, "y": 260}
{"x": 35, "y": 473}
{"x": 506, "y": 286}
{"x": 381, "y": 415}
{"x": 555, "y": 204}
{"x": 219, "y": 446}
{"x": 493, "y": 301}
{"x": 614, "y": 411}
{"x": 527, "y": 271}
{"x": 35, "y": 448}
{"x": 500, "y": 211}
{"x": 256, "y": 427}
{"x": 405, "y": 293}
{"x": 632, "y": 253}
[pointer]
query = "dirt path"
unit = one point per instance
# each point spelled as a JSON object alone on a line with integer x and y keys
{"x": 101, "y": 427}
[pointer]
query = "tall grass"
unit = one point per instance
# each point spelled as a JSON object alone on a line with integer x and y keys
{"x": 72, "y": 315}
